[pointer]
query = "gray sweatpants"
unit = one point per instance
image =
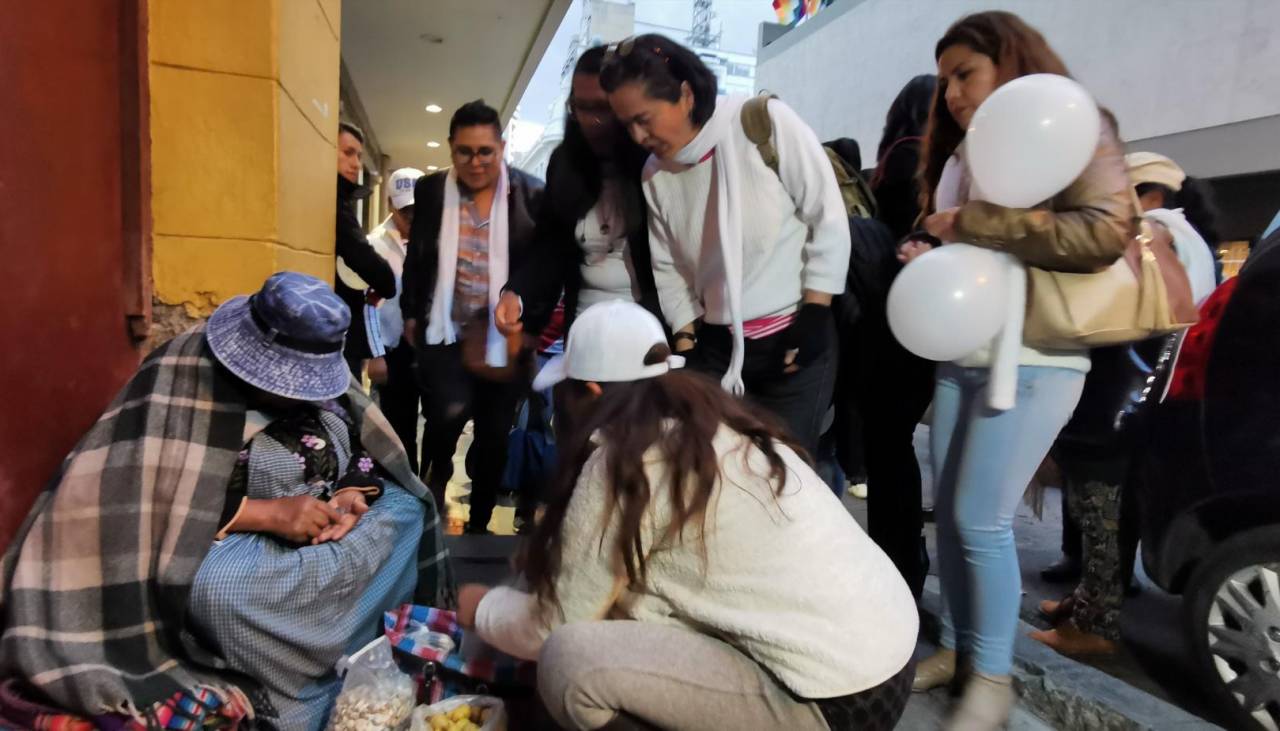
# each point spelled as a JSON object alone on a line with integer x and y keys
{"x": 640, "y": 674}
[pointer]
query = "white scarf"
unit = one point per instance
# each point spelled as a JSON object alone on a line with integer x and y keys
{"x": 440, "y": 328}
{"x": 1192, "y": 251}
{"x": 718, "y": 134}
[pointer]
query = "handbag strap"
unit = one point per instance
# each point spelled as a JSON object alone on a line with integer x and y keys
{"x": 1143, "y": 234}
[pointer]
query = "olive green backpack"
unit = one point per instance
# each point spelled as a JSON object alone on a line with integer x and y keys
{"x": 858, "y": 199}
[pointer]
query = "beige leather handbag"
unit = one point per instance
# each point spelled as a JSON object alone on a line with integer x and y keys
{"x": 1145, "y": 293}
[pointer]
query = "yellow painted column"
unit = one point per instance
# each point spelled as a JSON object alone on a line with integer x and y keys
{"x": 244, "y": 119}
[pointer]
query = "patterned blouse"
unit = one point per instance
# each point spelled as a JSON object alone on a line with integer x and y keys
{"x": 313, "y": 450}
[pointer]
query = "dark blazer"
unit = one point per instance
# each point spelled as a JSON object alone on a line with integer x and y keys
{"x": 557, "y": 266}
{"x": 524, "y": 200}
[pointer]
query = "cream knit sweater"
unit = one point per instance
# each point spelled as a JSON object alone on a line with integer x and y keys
{"x": 792, "y": 580}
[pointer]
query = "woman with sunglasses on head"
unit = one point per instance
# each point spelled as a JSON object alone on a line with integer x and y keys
{"x": 746, "y": 259}
{"x": 592, "y": 244}
{"x": 692, "y": 570}
{"x": 983, "y": 459}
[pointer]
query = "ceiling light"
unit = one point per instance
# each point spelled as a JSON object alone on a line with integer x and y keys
{"x": 433, "y": 167}
{"x": 433, "y": 144}
{"x": 434, "y": 108}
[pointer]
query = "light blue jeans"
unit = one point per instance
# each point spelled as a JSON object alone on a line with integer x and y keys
{"x": 982, "y": 462}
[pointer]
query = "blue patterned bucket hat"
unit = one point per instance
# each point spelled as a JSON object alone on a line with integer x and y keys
{"x": 286, "y": 339}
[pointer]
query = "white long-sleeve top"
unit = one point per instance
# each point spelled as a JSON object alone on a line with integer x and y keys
{"x": 794, "y": 227}
{"x": 792, "y": 580}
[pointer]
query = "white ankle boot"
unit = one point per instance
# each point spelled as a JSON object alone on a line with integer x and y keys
{"x": 985, "y": 706}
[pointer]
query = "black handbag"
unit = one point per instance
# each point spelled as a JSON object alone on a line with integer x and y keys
{"x": 1122, "y": 383}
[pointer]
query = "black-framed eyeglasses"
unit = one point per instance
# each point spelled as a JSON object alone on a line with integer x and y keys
{"x": 599, "y": 110}
{"x": 464, "y": 154}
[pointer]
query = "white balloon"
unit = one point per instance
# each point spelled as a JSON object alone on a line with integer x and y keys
{"x": 949, "y": 302}
{"x": 1031, "y": 139}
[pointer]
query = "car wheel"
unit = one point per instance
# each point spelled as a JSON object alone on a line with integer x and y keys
{"x": 1233, "y": 617}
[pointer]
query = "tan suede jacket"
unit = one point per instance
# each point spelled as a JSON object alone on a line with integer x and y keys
{"x": 1082, "y": 229}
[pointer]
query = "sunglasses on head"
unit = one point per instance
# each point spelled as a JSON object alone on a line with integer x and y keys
{"x": 624, "y": 47}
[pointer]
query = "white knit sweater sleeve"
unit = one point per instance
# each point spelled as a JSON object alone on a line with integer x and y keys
{"x": 806, "y": 174}
{"x": 586, "y": 588}
{"x": 680, "y": 305}
{"x": 508, "y": 619}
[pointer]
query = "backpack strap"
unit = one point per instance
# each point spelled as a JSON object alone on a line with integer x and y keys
{"x": 758, "y": 126}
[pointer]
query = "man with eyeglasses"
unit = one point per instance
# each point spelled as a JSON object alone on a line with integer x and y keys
{"x": 474, "y": 224}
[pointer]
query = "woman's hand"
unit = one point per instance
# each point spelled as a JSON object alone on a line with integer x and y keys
{"x": 807, "y": 338}
{"x": 469, "y": 597}
{"x": 350, "y": 505}
{"x": 942, "y": 224}
{"x": 909, "y": 250}
{"x": 506, "y": 316}
{"x": 299, "y": 518}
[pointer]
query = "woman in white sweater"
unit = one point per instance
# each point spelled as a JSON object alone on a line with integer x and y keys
{"x": 692, "y": 571}
{"x": 745, "y": 259}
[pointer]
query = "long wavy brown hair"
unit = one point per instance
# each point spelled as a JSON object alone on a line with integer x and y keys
{"x": 1014, "y": 47}
{"x": 678, "y": 414}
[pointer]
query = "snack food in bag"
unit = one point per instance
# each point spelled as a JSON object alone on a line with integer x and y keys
{"x": 375, "y": 695}
{"x": 461, "y": 713}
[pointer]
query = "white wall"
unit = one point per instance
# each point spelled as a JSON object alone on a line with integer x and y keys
{"x": 1163, "y": 66}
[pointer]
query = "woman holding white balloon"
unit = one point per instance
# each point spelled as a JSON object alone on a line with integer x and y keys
{"x": 1003, "y": 177}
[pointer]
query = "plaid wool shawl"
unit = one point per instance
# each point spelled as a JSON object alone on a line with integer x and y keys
{"x": 94, "y": 599}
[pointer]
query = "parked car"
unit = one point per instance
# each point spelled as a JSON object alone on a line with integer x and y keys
{"x": 1209, "y": 490}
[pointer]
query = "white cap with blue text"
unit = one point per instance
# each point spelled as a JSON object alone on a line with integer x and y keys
{"x": 608, "y": 343}
{"x": 400, "y": 186}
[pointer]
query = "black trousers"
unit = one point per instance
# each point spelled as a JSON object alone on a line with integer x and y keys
{"x": 453, "y": 395}
{"x": 399, "y": 398}
{"x": 889, "y": 389}
{"x": 798, "y": 400}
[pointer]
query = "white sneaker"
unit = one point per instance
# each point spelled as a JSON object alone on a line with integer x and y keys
{"x": 859, "y": 490}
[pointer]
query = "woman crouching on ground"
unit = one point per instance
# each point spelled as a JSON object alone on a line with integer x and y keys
{"x": 749, "y": 597}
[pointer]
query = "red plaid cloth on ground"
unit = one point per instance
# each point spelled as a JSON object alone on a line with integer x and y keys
{"x": 401, "y": 626}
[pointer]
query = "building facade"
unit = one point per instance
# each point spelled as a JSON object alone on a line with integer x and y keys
{"x": 1197, "y": 81}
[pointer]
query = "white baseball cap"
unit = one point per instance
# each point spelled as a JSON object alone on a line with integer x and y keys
{"x": 400, "y": 186}
{"x": 608, "y": 344}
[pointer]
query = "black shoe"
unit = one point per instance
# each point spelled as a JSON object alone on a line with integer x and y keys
{"x": 1064, "y": 571}
{"x": 476, "y": 530}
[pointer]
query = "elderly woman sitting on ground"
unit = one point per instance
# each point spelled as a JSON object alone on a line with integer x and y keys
{"x": 235, "y": 522}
